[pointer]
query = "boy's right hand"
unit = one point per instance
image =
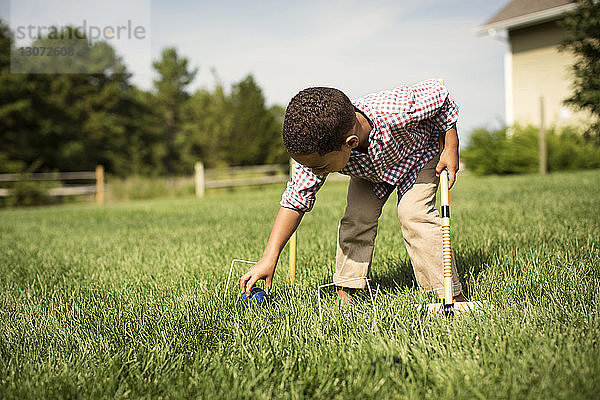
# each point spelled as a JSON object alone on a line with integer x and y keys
{"x": 264, "y": 269}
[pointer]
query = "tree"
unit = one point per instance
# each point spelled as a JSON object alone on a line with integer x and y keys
{"x": 234, "y": 129}
{"x": 93, "y": 114}
{"x": 207, "y": 121}
{"x": 276, "y": 153}
{"x": 254, "y": 128}
{"x": 16, "y": 109}
{"x": 174, "y": 77}
{"x": 71, "y": 121}
{"x": 83, "y": 119}
{"x": 583, "y": 39}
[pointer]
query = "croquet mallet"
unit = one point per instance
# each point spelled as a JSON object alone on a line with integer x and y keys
{"x": 449, "y": 306}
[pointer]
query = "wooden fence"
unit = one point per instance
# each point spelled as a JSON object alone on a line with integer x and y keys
{"x": 204, "y": 179}
{"x": 244, "y": 176}
{"x": 97, "y": 188}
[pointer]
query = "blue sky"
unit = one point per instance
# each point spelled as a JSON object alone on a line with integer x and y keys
{"x": 357, "y": 46}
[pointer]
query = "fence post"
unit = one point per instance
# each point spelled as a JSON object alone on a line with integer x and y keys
{"x": 543, "y": 164}
{"x": 99, "y": 184}
{"x": 199, "y": 169}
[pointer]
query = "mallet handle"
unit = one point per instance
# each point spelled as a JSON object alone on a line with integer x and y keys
{"x": 446, "y": 248}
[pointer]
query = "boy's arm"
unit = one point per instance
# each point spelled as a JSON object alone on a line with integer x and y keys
{"x": 298, "y": 198}
{"x": 286, "y": 222}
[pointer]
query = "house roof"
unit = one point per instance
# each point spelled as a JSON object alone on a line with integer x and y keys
{"x": 521, "y": 13}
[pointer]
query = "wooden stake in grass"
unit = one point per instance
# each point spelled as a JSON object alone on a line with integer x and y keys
{"x": 293, "y": 249}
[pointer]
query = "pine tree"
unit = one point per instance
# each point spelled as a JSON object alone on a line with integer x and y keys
{"x": 171, "y": 96}
{"x": 253, "y": 128}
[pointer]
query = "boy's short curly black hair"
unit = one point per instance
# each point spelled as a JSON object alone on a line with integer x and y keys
{"x": 317, "y": 121}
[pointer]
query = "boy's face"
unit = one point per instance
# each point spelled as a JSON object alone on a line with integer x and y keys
{"x": 329, "y": 162}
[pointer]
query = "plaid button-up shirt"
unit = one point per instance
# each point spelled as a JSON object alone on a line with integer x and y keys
{"x": 407, "y": 122}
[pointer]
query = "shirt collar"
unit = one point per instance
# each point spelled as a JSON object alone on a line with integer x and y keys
{"x": 375, "y": 149}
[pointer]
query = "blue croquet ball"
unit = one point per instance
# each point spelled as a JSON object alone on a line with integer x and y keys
{"x": 257, "y": 296}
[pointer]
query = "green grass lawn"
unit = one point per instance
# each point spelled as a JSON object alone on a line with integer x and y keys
{"x": 126, "y": 300}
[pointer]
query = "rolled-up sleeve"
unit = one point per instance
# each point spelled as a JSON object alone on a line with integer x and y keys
{"x": 300, "y": 193}
{"x": 447, "y": 115}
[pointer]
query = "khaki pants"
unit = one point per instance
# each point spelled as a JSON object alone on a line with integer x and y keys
{"x": 421, "y": 228}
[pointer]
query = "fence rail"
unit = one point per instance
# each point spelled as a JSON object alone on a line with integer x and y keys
{"x": 265, "y": 180}
{"x": 97, "y": 189}
{"x": 254, "y": 175}
{"x": 47, "y": 176}
{"x": 253, "y": 169}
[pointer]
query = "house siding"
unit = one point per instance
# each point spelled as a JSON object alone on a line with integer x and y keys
{"x": 540, "y": 70}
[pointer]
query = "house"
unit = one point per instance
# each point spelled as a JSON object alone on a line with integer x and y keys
{"x": 534, "y": 68}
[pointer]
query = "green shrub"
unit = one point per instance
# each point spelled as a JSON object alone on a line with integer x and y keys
{"x": 28, "y": 193}
{"x": 497, "y": 152}
{"x": 570, "y": 150}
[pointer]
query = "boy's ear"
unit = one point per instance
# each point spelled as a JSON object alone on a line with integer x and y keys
{"x": 352, "y": 141}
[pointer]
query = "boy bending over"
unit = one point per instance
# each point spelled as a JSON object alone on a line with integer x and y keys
{"x": 384, "y": 141}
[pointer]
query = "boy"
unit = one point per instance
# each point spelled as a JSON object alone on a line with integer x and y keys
{"x": 384, "y": 141}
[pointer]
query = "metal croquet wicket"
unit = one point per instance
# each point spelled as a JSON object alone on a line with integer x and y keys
{"x": 343, "y": 281}
{"x": 231, "y": 270}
